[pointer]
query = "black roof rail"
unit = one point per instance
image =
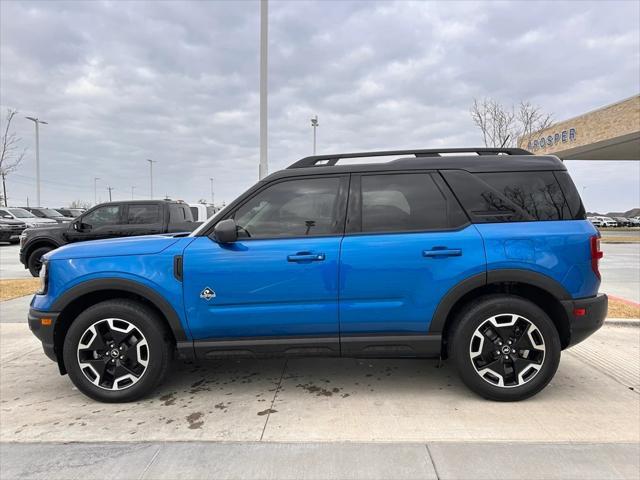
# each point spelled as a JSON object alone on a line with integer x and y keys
{"x": 331, "y": 160}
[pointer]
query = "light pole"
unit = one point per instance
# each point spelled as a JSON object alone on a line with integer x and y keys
{"x": 109, "y": 188}
{"x": 264, "y": 48}
{"x": 151, "y": 162}
{"x": 37, "y": 123}
{"x": 211, "y": 179}
{"x": 314, "y": 125}
{"x": 132, "y": 189}
{"x": 95, "y": 190}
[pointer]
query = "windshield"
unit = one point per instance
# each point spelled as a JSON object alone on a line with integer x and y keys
{"x": 21, "y": 213}
{"x": 49, "y": 212}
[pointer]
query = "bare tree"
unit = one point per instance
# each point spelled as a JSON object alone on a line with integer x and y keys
{"x": 503, "y": 126}
{"x": 11, "y": 154}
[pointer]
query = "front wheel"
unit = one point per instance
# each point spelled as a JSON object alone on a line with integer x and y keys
{"x": 35, "y": 260}
{"x": 117, "y": 351}
{"x": 505, "y": 347}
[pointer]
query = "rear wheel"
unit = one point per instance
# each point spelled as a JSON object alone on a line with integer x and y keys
{"x": 116, "y": 351}
{"x": 35, "y": 260}
{"x": 505, "y": 347}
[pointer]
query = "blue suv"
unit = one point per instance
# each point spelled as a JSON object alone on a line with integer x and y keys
{"x": 481, "y": 256}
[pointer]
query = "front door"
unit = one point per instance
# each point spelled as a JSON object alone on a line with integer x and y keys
{"x": 104, "y": 221}
{"x": 407, "y": 243}
{"x": 280, "y": 279}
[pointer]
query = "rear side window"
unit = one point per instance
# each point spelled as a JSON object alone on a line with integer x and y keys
{"x": 407, "y": 202}
{"x": 179, "y": 213}
{"x": 194, "y": 213}
{"x": 509, "y": 196}
{"x": 144, "y": 214}
{"x": 571, "y": 195}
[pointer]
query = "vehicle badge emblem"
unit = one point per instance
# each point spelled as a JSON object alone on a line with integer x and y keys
{"x": 207, "y": 294}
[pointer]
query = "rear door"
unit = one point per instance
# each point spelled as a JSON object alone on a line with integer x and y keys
{"x": 144, "y": 219}
{"x": 407, "y": 243}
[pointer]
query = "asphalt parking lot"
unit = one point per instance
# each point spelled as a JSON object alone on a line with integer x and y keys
{"x": 324, "y": 418}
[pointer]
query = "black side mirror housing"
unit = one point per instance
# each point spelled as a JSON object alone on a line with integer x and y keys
{"x": 226, "y": 231}
{"x": 81, "y": 227}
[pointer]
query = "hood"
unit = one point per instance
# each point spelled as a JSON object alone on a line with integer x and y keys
{"x": 49, "y": 228}
{"x": 145, "y": 245}
{"x": 38, "y": 220}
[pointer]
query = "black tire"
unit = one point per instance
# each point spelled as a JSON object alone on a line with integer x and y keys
{"x": 544, "y": 357}
{"x": 35, "y": 260}
{"x": 147, "y": 323}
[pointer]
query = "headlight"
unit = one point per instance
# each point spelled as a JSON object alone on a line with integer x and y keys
{"x": 43, "y": 279}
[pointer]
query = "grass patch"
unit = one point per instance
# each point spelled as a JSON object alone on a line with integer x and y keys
{"x": 18, "y": 288}
{"x": 612, "y": 239}
{"x": 621, "y": 309}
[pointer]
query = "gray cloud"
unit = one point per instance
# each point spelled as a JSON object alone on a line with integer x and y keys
{"x": 120, "y": 82}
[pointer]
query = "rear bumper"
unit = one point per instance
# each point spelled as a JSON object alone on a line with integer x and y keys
{"x": 582, "y": 325}
{"x": 44, "y": 332}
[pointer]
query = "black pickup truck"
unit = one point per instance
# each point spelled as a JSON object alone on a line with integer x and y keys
{"x": 107, "y": 220}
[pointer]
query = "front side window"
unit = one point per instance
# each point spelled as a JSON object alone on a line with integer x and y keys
{"x": 144, "y": 214}
{"x": 406, "y": 202}
{"x": 101, "y": 216}
{"x": 293, "y": 208}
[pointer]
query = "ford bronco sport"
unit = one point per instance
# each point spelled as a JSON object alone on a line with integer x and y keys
{"x": 481, "y": 256}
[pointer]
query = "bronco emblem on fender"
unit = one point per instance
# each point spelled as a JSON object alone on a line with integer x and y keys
{"x": 207, "y": 294}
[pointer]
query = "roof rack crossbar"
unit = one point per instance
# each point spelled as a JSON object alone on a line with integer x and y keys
{"x": 331, "y": 160}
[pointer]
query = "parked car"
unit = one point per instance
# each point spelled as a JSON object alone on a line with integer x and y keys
{"x": 10, "y": 230}
{"x": 107, "y": 220}
{"x": 595, "y": 220}
{"x": 634, "y": 222}
{"x": 421, "y": 256}
{"x": 201, "y": 212}
{"x": 71, "y": 212}
{"x": 49, "y": 213}
{"x": 22, "y": 215}
{"x": 608, "y": 222}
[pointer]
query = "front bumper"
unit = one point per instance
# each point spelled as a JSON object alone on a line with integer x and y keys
{"x": 44, "y": 330}
{"x": 586, "y": 316}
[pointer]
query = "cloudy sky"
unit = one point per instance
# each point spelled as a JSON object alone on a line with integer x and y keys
{"x": 177, "y": 82}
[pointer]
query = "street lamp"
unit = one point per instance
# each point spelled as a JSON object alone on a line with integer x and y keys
{"x": 37, "y": 122}
{"x": 132, "y": 189}
{"x": 151, "y": 162}
{"x": 95, "y": 190}
{"x": 314, "y": 125}
{"x": 211, "y": 179}
{"x": 264, "y": 48}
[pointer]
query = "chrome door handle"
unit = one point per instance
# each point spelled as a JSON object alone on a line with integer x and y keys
{"x": 306, "y": 257}
{"x": 442, "y": 252}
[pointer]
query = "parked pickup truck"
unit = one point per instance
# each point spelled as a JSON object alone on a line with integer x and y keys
{"x": 107, "y": 220}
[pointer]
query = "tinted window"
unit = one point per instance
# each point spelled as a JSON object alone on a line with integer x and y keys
{"x": 107, "y": 215}
{"x": 405, "y": 202}
{"x": 291, "y": 208}
{"x": 194, "y": 213}
{"x": 144, "y": 214}
{"x": 571, "y": 195}
{"x": 179, "y": 213}
{"x": 21, "y": 213}
{"x": 509, "y": 196}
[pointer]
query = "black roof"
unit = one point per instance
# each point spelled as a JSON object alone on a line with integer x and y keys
{"x": 474, "y": 160}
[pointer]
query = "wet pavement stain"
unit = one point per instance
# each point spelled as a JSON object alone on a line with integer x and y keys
{"x": 319, "y": 391}
{"x": 194, "y": 420}
{"x": 267, "y": 411}
{"x": 168, "y": 399}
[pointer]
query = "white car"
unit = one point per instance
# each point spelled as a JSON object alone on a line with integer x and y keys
{"x": 25, "y": 216}
{"x": 202, "y": 212}
{"x": 595, "y": 221}
{"x": 608, "y": 222}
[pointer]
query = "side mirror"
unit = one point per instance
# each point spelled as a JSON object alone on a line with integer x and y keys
{"x": 226, "y": 231}
{"x": 7, "y": 216}
{"x": 81, "y": 227}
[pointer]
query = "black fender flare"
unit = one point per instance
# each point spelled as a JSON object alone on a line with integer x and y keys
{"x": 129, "y": 286}
{"x": 528, "y": 277}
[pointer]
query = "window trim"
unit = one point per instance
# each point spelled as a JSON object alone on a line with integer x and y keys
{"x": 343, "y": 193}
{"x": 354, "y": 209}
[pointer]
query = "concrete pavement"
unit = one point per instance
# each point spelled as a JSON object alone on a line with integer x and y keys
{"x": 326, "y": 461}
{"x": 620, "y": 270}
{"x": 10, "y": 266}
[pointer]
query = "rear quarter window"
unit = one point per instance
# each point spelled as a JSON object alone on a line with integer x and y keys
{"x": 509, "y": 196}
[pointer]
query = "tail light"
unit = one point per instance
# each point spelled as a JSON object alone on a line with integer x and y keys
{"x": 596, "y": 254}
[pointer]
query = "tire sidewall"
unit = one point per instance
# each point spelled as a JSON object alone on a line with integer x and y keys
{"x": 37, "y": 254}
{"x": 142, "y": 318}
{"x": 472, "y": 317}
